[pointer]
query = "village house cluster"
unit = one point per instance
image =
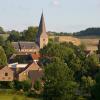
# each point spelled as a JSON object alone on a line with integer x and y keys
{"x": 31, "y": 70}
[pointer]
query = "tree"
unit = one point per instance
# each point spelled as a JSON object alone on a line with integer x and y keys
{"x": 56, "y": 50}
{"x": 88, "y": 32}
{"x": 1, "y": 40}
{"x": 86, "y": 84}
{"x": 95, "y": 91}
{"x": 9, "y": 49}
{"x": 84, "y": 67}
{"x": 1, "y": 30}
{"x": 26, "y": 85}
{"x": 14, "y": 36}
{"x": 30, "y": 34}
{"x": 59, "y": 82}
{"x": 3, "y": 58}
{"x": 91, "y": 63}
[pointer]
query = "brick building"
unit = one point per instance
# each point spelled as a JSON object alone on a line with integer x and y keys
{"x": 25, "y": 47}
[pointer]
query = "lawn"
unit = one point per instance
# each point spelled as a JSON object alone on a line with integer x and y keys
{"x": 14, "y": 97}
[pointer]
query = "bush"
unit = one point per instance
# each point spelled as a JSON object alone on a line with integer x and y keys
{"x": 37, "y": 85}
{"x": 5, "y": 85}
{"x": 31, "y": 94}
{"x": 26, "y": 85}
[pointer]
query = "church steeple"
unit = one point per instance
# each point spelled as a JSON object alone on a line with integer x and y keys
{"x": 42, "y": 37}
{"x": 42, "y": 28}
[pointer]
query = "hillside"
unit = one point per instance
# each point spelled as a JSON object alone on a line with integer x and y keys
{"x": 72, "y": 39}
{"x": 91, "y": 42}
{"x": 88, "y": 32}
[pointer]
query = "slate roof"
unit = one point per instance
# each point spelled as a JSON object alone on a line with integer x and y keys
{"x": 42, "y": 27}
{"x": 25, "y": 45}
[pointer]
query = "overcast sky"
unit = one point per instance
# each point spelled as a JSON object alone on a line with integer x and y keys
{"x": 60, "y": 15}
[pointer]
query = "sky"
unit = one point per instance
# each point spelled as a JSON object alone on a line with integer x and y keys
{"x": 60, "y": 15}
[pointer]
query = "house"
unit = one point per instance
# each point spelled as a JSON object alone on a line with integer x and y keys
{"x": 6, "y": 74}
{"x": 32, "y": 71}
{"x": 37, "y": 74}
{"x": 17, "y": 65}
{"x": 24, "y": 47}
{"x": 21, "y": 72}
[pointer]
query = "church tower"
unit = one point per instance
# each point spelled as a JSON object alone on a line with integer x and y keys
{"x": 42, "y": 36}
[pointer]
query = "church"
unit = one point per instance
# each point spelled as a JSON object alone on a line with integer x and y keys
{"x": 24, "y": 47}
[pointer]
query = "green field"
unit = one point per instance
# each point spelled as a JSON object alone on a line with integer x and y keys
{"x": 14, "y": 97}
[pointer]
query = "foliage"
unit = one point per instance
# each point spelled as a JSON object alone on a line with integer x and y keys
{"x": 96, "y": 88}
{"x": 22, "y": 59}
{"x": 84, "y": 67}
{"x": 9, "y": 49}
{"x": 91, "y": 63}
{"x": 3, "y": 58}
{"x": 30, "y": 34}
{"x": 89, "y": 32}
{"x": 26, "y": 35}
{"x": 59, "y": 82}
{"x": 24, "y": 85}
{"x": 14, "y": 36}
{"x": 4, "y": 85}
{"x": 1, "y": 40}
{"x": 1, "y": 30}
{"x": 86, "y": 84}
{"x": 37, "y": 85}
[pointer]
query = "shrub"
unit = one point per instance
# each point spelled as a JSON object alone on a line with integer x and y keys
{"x": 37, "y": 85}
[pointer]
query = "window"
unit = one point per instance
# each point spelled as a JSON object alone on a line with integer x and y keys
{"x": 6, "y": 74}
{"x": 24, "y": 73}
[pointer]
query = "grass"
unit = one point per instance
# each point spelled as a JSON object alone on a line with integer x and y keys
{"x": 14, "y": 97}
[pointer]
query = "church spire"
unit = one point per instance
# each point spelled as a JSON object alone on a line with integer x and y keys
{"x": 42, "y": 37}
{"x": 42, "y": 28}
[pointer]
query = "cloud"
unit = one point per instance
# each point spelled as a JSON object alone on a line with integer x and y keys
{"x": 56, "y": 2}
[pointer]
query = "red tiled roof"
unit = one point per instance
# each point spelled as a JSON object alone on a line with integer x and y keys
{"x": 35, "y": 56}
